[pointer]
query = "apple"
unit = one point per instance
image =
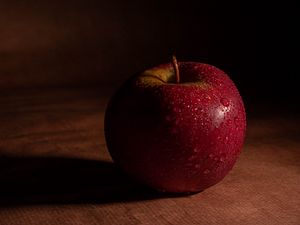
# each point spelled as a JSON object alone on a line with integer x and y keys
{"x": 178, "y": 127}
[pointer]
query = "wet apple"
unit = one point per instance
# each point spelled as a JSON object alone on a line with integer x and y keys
{"x": 178, "y": 127}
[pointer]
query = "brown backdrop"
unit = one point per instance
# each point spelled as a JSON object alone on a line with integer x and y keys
{"x": 102, "y": 43}
{"x": 54, "y": 43}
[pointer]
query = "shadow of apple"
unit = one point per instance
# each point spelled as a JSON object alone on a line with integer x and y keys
{"x": 36, "y": 180}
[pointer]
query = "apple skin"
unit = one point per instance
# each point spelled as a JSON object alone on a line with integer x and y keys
{"x": 176, "y": 137}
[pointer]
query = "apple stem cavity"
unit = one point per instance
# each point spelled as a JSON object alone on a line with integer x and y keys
{"x": 176, "y": 69}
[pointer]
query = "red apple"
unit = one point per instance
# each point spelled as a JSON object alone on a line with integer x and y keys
{"x": 179, "y": 136}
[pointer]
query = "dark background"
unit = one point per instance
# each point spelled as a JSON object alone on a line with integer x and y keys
{"x": 101, "y": 43}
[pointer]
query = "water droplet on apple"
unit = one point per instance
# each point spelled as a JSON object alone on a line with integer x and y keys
{"x": 216, "y": 158}
{"x": 206, "y": 171}
{"x": 222, "y": 157}
{"x": 229, "y": 121}
{"x": 226, "y": 139}
{"x": 211, "y": 155}
{"x": 236, "y": 120}
{"x": 225, "y": 102}
{"x": 197, "y": 166}
{"x": 195, "y": 150}
{"x": 208, "y": 97}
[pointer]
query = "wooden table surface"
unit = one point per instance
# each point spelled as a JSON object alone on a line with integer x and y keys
{"x": 55, "y": 169}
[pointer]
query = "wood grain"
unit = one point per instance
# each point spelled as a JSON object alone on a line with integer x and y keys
{"x": 55, "y": 169}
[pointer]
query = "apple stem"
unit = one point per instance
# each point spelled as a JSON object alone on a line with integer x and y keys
{"x": 176, "y": 69}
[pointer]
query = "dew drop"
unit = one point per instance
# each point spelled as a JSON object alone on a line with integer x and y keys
{"x": 222, "y": 157}
{"x": 216, "y": 158}
{"x": 195, "y": 150}
{"x": 225, "y": 102}
{"x": 206, "y": 171}
{"x": 237, "y": 123}
{"x": 210, "y": 155}
{"x": 208, "y": 97}
{"x": 226, "y": 139}
{"x": 236, "y": 120}
{"x": 197, "y": 166}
